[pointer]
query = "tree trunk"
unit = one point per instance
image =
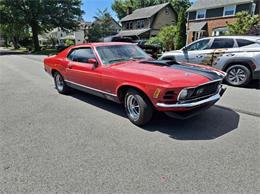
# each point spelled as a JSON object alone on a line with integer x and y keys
{"x": 15, "y": 43}
{"x": 34, "y": 27}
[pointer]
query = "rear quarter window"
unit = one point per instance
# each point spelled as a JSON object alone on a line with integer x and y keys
{"x": 244, "y": 42}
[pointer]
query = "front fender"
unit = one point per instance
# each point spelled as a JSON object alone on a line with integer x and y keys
{"x": 145, "y": 89}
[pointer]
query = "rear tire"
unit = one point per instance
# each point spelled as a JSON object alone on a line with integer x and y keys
{"x": 138, "y": 108}
{"x": 238, "y": 75}
{"x": 60, "y": 84}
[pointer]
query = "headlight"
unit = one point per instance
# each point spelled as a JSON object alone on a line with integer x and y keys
{"x": 186, "y": 93}
{"x": 183, "y": 94}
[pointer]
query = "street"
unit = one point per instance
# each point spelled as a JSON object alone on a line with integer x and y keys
{"x": 79, "y": 143}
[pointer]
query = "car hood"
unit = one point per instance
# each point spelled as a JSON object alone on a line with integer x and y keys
{"x": 179, "y": 75}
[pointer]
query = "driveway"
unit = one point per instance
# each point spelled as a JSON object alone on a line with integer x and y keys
{"x": 52, "y": 143}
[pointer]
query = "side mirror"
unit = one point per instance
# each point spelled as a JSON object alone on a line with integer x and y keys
{"x": 93, "y": 61}
{"x": 184, "y": 49}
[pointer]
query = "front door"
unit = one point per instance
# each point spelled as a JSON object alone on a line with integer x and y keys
{"x": 80, "y": 72}
{"x": 199, "y": 52}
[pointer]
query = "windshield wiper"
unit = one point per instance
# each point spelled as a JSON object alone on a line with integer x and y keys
{"x": 137, "y": 58}
{"x": 118, "y": 60}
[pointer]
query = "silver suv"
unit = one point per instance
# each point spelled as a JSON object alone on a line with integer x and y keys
{"x": 238, "y": 56}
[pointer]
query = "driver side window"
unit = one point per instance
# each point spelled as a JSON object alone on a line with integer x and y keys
{"x": 81, "y": 55}
{"x": 199, "y": 45}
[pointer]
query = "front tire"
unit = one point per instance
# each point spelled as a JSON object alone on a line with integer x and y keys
{"x": 60, "y": 84}
{"x": 138, "y": 108}
{"x": 238, "y": 75}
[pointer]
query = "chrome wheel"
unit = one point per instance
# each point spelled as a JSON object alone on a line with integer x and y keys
{"x": 59, "y": 82}
{"x": 133, "y": 107}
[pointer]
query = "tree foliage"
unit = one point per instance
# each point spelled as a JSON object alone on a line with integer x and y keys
{"x": 12, "y": 26}
{"x": 166, "y": 38}
{"x": 41, "y": 15}
{"x": 181, "y": 30}
{"x": 155, "y": 41}
{"x": 69, "y": 42}
{"x": 243, "y": 24}
{"x": 101, "y": 27}
{"x": 121, "y": 7}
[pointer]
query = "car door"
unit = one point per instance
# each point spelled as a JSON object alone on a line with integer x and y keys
{"x": 80, "y": 72}
{"x": 221, "y": 46}
{"x": 199, "y": 52}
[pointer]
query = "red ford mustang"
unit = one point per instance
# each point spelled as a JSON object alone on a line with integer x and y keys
{"x": 123, "y": 73}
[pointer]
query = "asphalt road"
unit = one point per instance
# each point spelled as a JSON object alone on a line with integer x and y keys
{"x": 51, "y": 143}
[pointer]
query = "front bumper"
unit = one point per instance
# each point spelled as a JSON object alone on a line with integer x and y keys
{"x": 209, "y": 100}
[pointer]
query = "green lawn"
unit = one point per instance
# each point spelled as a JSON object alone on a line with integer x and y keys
{"x": 46, "y": 52}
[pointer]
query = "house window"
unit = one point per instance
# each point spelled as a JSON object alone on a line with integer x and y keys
{"x": 219, "y": 31}
{"x": 229, "y": 10}
{"x": 201, "y": 14}
{"x": 129, "y": 25}
{"x": 140, "y": 24}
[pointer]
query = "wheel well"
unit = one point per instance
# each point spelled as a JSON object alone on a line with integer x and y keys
{"x": 53, "y": 72}
{"x": 123, "y": 89}
{"x": 246, "y": 64}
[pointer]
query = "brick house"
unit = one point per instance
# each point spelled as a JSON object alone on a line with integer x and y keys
{"x": 146, "y": 22}
{"x": 209, "y": 17}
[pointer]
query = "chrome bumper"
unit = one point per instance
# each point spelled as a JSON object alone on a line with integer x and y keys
{"x": 213, "y": 98}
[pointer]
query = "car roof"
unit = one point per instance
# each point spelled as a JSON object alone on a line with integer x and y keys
{"x": 102, "y": 44}
{"x": 235, "y": 37}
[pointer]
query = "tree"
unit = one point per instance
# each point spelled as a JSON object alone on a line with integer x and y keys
{"x": 166, "y": 37}
{"x": 12, "y": 26}
{"x": 121, "y": 7}
{"x": 155, "y": 41}
{"x": 101, "y": 27}
{"x": 42, "y": 15}
{"x": 180, "y": 5}
{"x": 243, "y": 24}
{"x": 10, "y": 33}
{"x": 69, "y": 42}
{"x": 181, "y": 30}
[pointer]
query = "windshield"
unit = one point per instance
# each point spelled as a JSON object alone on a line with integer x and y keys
{"x": 118, "y": 53}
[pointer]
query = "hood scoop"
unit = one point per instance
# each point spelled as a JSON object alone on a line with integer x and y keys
{"x": 160, "y": 62}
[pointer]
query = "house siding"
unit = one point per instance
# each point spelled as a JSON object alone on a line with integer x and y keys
{"x": 162, "y": 18}
{"x": 213, "y": 24}
{"x": 215, "y": 20}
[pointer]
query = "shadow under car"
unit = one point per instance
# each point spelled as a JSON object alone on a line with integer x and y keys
{"x": 210, "y": 124}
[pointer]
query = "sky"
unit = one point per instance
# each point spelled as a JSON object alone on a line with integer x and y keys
{"x": 91, "y": 6}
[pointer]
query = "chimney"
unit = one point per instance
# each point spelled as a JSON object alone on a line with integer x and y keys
{"x": 129, "y": 10}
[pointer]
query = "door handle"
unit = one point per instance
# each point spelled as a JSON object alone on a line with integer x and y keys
{"x": 201, "y": 56}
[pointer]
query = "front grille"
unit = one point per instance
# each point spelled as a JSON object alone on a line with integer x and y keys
{"x": 169, "y": 95}
{"x": 203, "y": 90}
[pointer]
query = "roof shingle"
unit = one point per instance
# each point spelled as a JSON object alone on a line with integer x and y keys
{"x": 206, "y": 4}
{"x": 146, "y": 12}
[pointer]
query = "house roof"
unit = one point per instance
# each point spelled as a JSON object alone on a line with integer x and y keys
{"x": 133, "y": 32}
{"x": 146, "y": 12}
{"x": 198, "y": 26}
{"x": 206, "y": 4}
